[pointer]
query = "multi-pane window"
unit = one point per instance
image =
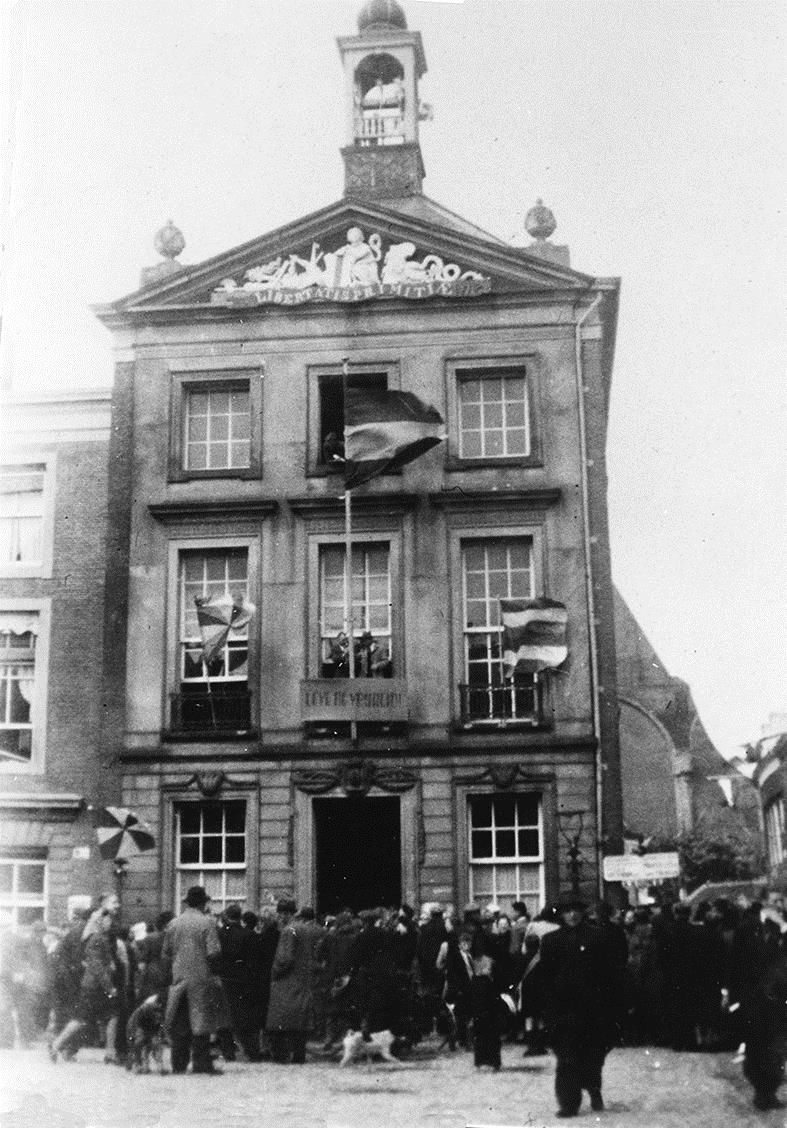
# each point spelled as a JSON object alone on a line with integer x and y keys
{"x": 774, "y": 831}
{"x": 210, "y": 850}
{"x": 17, "y": 684}
{"x": 217, "y": 429}
{"x": 21, "y": 514}
{"x": 22, "y": 891}
{"x": 494, "y": 417}
{"x": 212, "y": 573}
{"x": 493, "y": 570}
{"x": 371, "y": 611}
{"x": 505, "y": 851}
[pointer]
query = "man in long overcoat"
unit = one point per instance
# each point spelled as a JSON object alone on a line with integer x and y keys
{"x": 196, "y": 1007}
{"x": 578, "y": 986}
{"x": 291, "y": 1006}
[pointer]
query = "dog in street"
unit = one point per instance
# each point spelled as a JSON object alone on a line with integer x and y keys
{"x": 145, "y": 1036}
{"x": 360, "y": 1046}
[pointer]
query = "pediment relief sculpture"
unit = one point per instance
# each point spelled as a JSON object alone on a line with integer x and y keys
{"x": 357, "y": 270}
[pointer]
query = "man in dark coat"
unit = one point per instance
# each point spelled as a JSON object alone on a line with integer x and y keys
{"x": 291, "y": 1006}
{"x": 196, "y": 1007}
{"x": 576, "y": 985}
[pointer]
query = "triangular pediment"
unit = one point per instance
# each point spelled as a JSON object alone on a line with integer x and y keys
{"x": 352, "y": 252}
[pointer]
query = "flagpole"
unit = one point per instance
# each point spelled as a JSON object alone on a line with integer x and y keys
{"x": 348, "y": 566}
{"x": 210, "y": 691}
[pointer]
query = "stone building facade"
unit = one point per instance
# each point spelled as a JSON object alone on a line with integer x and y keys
{"x": 439, "y": 780}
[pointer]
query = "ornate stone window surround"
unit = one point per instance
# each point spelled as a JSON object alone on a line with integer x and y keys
{"x": 464, "y": 528}
{"x": 41, "y": 568}
{"x": 518, "y": 781}
{"x": 42, "y": 609}
{"x": 224, "y": 373}
{"x": 172, "y": 675}
{"x": 316, "y": 375}
{"x": 362, "y": 536}
{"x": 470, "y": 367}
{"x": 205, "y": 787}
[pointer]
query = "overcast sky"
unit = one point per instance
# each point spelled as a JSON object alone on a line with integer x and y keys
{"x": 654, "y": 130}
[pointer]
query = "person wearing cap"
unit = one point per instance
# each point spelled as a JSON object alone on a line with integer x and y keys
{"x": 291, "y": 1007}
{"x": 196, "y": 1007}
{"x": 575, "y": 980}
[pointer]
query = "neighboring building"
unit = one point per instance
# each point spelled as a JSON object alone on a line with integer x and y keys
{"x": 53, "y": 502}
{"x": 673, "y": 775}
{"x": 436, "y": 780}
{"x": 769, "y": 754}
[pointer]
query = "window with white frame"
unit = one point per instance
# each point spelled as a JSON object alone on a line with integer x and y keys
{"x": 774, "y": 831}
{"x": 371, "y": 611}
{"x": 18, "y": 632}
{"x": 21, "y": 514}
{"x": 494, "y": 413}
{"x": 493, "y": 570}
{"x": 506, "y": 850}
{"x": 212, "y": 696}
{"x": 22, "y": 891}
{"x": 210, "y": 850}
{"x": 211, "y": 573}
{"x": 217, "y": 428}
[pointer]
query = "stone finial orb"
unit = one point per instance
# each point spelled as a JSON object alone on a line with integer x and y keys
{"x": 540, "y": 222}
{"x": 169, "y": 241}
{"x": 381, "y": 13}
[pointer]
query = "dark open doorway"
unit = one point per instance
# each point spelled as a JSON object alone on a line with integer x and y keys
{"x": 357, "y": 853}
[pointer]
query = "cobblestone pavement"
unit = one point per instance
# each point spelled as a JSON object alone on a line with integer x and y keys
{"x": 643, "y": 1088}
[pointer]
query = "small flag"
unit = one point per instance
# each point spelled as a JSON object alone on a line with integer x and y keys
{"x": 385, "y": 430}
{"x": 217, "y": 616}
{"x": 120, "y": 833}
{"x": 534, "y": 634}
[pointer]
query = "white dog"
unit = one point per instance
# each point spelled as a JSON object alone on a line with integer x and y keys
{"x": 360, "y": 1048}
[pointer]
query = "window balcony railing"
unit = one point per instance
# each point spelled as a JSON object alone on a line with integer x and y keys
{"x": 223, "y": 712}
{"x": 379, "y": 128}
{"x": 519, "y": 702}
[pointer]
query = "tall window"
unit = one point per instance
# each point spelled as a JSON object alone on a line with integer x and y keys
{"x": 210, "y": 845}
{"x": 506, "y": 852}
{"x": 774, "y": 831}
{"x": 217, "y": 429}
{"x": 22, "y": 891}
{"x": 216, "y": 697}
{"x": 21, "y": 514}
{"x": 493, "y": 570}
{"x": 17, "y": 683}
{"x": 371, "y": 591}
{"x": 332, "y": 409}
{"x": 494, "y": 417}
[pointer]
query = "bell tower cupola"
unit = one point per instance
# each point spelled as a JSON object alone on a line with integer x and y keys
{"x": 382, "y": 66}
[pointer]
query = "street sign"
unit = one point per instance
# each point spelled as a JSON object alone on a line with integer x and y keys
{"x": 634, "y": 869}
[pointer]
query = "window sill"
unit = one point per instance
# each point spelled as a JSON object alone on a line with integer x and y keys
{"x": 529, "y": 461}
{"x": 207, "y": 736}
{"x": 245, "y": 473}
{"x": 493, "y": 725}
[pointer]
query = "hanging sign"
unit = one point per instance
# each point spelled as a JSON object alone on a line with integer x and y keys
{"x": 356, "y": 699}
{"x": 634, "y": 869}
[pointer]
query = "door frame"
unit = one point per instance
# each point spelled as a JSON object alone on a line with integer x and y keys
{"x": 305, "y": 841}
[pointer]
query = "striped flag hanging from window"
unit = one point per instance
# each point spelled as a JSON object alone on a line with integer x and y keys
{"x": 534, "y": 634}
{"x": 218, "y": 616}
{"x": 385, "y": 430}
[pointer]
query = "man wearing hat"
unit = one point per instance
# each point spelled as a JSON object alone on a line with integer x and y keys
{"x": 196, "y": 1007}
{"x": 577, "y": 983}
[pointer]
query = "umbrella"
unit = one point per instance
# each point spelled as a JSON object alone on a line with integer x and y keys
{"x": 119, "y": 832}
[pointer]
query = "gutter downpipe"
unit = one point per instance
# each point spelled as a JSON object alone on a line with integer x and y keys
{"x": 591, "y": 602}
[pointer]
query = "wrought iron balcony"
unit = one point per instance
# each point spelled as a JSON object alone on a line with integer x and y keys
{"x": 518, "y": 702}
{"x": 225, "y": 711}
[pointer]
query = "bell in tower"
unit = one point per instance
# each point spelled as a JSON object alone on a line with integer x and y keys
{"x": 382, "y": 66}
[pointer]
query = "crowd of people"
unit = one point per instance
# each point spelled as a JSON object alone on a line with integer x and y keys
{"x": 574, "y": 980}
